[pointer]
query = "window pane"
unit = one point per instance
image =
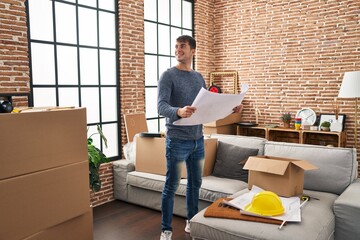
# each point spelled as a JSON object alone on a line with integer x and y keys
{"x": 174, "y": 62}
{"x": 107, "y": 67}
{"x": 107, "y": 29}
{"x": 91, "y": 3}
{"x": 164, "y": 64}
{"x": 107, "y": 4}
{"x": 164, "y": 40}
{"x": 111, "y": 133}
{"x": 187, "y": 15}
{"x": 96, "y": 137}
{"x": 42, "y": 63}
{"x": 67, "y": 65}
{"x": 41, "y": 17}
{"x": 176, "y": 13}
{"x": 150, "y": 37}
{"x": 89, "y": 66}
{"x": 150, "y": 10}
{"x": 65, "y": 23}
{"x": 151, "y": 67}
{"x": 163, "y": 8}
{"x": 175, "y": 33}
{"x": 90, "y": 100}
{"x": 151, "y": 102}
{"x": 44, "y": 97}
{"x": 187, "y": 32}
{"x": 152, "y": 125}
{"x": 87, "y": 27}
{"x": 68, "y": 97}
{"x": 108, "y": 104}
{"x": 162, "y": 125}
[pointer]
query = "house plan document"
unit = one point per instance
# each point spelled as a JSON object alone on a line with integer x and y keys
{"x": 212, "y": 106}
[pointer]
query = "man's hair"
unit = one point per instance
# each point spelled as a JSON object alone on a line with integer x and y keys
{"x": 189, "y": 39}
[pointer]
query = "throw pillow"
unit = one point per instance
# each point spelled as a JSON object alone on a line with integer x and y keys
{"x": 230, "y": 160}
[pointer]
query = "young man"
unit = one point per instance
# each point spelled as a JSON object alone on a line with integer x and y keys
{"x": 177, "y": 89}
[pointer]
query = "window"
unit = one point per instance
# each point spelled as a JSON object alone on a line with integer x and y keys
{"x": 165, "y": 20}
{"x": 73, "y": 52}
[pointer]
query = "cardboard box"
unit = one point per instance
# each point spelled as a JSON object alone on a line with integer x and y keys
{"x": 80, "y": 227}
{"x": 283, "y": 176}
{"x": 34, "y": 141}
{"x": 33, "y": 202}
{"x": 225, "y": 129}
{"x": 150, "y": 156}
{"x": 230, "y": 119}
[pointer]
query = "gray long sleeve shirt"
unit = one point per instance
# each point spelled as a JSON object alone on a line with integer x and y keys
{"x": 176, "y": 89}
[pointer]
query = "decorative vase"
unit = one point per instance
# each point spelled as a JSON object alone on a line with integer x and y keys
{"x": 286, "y": 124}
{"x": 326, "y": 129}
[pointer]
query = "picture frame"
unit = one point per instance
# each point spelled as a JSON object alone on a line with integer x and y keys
{"x": 332, "y": 119}
{"x": 232, "y": 74}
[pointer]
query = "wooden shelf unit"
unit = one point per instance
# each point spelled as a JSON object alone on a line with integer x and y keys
{"x": 252, "y": 131}
{"x": 336, "y": 139}
{"x": 284, "y": 135}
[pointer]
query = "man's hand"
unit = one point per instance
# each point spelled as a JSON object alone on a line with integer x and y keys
{"x": 238, "y": 109}
{"x": 186, "y": 111}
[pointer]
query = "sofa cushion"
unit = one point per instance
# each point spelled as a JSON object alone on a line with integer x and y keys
{"x": 337, "y": 167}
{"x": 212, "y": 187}
{"x": 242, "y": 141}
{"x": 230, "y": 160}
{"x": 317, "y": 223}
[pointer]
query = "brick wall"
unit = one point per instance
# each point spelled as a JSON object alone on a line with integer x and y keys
{"x": 107, "y": 186}
{"x": 14, "y": 62}
{"x": 292, "y": 55}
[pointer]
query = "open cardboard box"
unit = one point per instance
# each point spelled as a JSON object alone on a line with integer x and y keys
{"x": 230, "y": 119}
{"x": 223, "y": 126}
{"x": 282, "y": 176}
{"x": 226, "y": 129}
{"x": 150, "y": 151}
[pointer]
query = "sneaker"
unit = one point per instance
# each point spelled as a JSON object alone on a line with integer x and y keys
{"x": 166, "y": 235}
{"x": 187, "y": 228}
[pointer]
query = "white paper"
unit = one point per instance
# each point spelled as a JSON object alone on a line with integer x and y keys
{"x": 291, "y": 206}
{"x": 212, "y": 106}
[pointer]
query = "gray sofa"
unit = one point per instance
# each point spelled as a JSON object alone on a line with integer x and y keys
{"x": 336, "y": 215}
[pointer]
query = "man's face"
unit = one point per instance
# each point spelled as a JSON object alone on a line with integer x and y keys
{"x": 183, "y": 53}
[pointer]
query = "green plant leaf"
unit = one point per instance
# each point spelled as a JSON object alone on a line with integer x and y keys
{"x": 95, "y": 157}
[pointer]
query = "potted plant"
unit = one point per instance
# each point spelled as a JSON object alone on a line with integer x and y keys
{"x": 96, "y": 157}
{"x": 325, "y": 126}
{"x": 286, "y": 119}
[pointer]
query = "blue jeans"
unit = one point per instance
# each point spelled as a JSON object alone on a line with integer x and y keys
{"x": 177, "y": 152}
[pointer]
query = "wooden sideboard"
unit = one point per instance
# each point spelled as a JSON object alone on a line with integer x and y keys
{"x": 336, "y": 139}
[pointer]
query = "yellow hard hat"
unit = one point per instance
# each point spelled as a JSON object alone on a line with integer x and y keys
{"x": 265, "y": 203}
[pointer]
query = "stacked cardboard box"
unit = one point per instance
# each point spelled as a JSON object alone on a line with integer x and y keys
{"x": 44, "y": 175}
{"x": 223, "y": 126}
